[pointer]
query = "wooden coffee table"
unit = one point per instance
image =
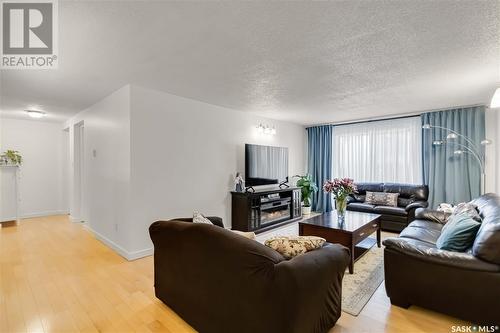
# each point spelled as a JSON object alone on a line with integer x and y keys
{"x": 353, "y": 233}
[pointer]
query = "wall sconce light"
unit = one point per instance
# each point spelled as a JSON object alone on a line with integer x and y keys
{"x": 495, "y": 100}
{"x": 266, "y": 129}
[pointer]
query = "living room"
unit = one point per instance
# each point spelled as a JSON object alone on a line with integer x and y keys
{"x": 354, "y": 143}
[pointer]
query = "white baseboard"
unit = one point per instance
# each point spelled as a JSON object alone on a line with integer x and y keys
{"x": 42, "y": 214}
{"x": 140, "y": 254}
{"x": 74, "y": 219}
{"x": 118, "y": 249}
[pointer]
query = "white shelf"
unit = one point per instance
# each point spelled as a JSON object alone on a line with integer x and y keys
{"x": 9, "y": 207}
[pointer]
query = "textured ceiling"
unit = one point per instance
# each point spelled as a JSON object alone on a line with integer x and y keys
{"x": 306, "y": 62}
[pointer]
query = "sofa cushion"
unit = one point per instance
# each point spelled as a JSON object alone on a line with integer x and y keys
{"x": 362, "y": 188}
{"x": 487, "y": 243}
{"x": 361, "y": 207}
{"x": 458, "y": 234}
{"x": 291, "y": 246}
{"x": 390, "y": 210}
{"x": 429, "y": 236}
{"x": 382, "y": 198}
{"x": 408, "y": 191}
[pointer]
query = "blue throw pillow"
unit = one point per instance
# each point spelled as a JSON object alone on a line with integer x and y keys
{"x": 458, "y": 233}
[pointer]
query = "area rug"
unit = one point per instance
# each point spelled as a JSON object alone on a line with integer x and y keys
{"x": 358, "y": 288}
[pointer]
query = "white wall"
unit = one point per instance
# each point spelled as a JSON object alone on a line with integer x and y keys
{"x": 185, "y": 154}
{"x": 107, "y": 174}
{"x": 43, "y": 174}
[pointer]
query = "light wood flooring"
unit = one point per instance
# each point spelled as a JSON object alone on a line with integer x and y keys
{"x": 56, "y": 277}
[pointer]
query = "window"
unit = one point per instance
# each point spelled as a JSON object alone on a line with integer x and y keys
{"x": 379, "y": 151}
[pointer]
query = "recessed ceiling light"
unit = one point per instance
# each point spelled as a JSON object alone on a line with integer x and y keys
{"x": 36, "y": 114}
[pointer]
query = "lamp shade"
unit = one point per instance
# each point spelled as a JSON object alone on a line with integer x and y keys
{"x": 495, "y": 101}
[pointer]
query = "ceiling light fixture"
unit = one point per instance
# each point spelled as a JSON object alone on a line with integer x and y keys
{"x": 36, "y": 114}
{"x": 495, "y": 100}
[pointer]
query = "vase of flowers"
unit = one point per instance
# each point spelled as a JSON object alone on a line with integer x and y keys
{"x": 340, "y": 188}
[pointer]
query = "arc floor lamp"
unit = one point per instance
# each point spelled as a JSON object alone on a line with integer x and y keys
{"x": 463, "y": 148}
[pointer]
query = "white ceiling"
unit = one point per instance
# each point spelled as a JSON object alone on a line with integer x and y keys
{"x": 306, "y": 62}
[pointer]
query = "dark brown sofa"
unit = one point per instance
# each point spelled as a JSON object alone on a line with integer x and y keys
{"x": 465, "y": 285}
{"x": 219, "y": 281}
{"x": 393, "y": 219}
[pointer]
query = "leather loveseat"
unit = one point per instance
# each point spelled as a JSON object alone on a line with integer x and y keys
{"x": 462, "y": 284}
{"x": 393, "y": 219}
{"x": 220, "y": 282}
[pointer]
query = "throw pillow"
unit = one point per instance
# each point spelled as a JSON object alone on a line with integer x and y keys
{"x": 446, "y": 207}
{"x": 199, "y": 218}
{"x": 382, "y": 198}
{"x": 458, "y": 233}
{"x": 468, "y": 209}
{"x": 249, "y": 235}
{"x": 291, "y": 246}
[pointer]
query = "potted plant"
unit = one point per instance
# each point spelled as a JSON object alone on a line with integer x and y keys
{"x": 307, "y": 187}
{"x": 340, "y": 188}
{"x": 11, "y": 157}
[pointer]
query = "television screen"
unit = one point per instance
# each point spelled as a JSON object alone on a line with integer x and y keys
{"x": 265, "y": 165}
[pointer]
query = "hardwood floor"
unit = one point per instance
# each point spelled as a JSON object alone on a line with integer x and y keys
{"x": 56, "y": 277}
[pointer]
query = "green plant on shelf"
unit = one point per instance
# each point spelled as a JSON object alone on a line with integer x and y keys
{"x": 11, "y": 157}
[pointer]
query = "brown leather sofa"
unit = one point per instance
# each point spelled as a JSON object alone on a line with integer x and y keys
{"x": 393, "y": 219}
{"x": 465, "y": 285}
{"x": 219, "y": 281}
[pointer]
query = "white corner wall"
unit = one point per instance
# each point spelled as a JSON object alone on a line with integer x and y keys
{"x": 150, "y": 155}
{"x": 43, "y": 174}
{"x": 106, "y": 164}
{"x": 185, "y": 154}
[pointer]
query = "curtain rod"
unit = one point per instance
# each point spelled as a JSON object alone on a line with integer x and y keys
{"x": 394, "y": 117}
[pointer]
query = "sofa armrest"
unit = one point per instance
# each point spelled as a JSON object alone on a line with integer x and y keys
{"x": 324, "y": 269}
{"x": 417, "y": 204}
{"x": 432, "y": 215}
{"x": 419, "y": 251}
{"x": 351, "y": 199}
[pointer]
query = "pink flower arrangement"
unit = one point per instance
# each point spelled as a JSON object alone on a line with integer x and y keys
{"x": 340, "y": 187}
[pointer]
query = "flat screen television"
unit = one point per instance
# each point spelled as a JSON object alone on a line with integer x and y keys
{"x": 265, "y": 165}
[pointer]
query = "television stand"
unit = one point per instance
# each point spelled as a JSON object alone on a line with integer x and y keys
{"x": 263, "y": 210}
{"x": 250, "y": 189}
{"x": 284, "y": 185}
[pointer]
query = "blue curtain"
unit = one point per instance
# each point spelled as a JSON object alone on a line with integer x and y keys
{"x": 452, "y": 178}
{"x": 319, "y": 163}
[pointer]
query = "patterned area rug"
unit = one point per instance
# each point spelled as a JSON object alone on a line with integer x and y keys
{"x": 358, "y": 288}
